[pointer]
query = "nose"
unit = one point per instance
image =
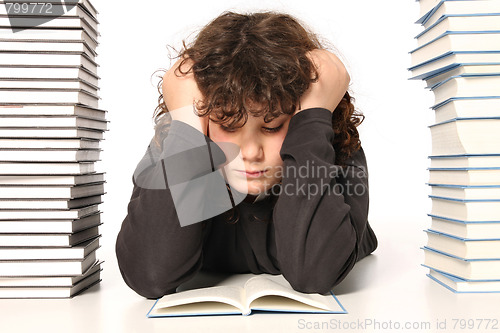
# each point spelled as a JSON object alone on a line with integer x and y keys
{"x": 252, "y": 149}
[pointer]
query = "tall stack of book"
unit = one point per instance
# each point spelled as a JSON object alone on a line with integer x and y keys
{"x": 50, "y": 127}
{"x": 458, "y": 56}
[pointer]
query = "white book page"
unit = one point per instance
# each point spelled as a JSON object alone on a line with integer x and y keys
{"x": 208, "y": 293}
{"x": 273, "y": 292}
{"x": 211, "y": 300}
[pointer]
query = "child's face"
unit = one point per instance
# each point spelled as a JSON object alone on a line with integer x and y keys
{"x": 260, "y": 166}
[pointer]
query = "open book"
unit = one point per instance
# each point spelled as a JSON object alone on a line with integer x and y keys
{"x": 241, "y": 294}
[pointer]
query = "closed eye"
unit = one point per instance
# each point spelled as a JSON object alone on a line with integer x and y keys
{"x": 272, "y": 129}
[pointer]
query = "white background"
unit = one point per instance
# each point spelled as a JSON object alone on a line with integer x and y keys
{"x": 373, "y": 38}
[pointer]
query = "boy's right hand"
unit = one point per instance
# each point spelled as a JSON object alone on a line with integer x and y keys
{"x": 181, "y": 93}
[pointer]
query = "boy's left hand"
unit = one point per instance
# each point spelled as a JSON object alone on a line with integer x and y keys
{"x": 333, "y": 81}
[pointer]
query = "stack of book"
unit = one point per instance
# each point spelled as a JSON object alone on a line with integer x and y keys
{"x": 458, "y": 56}
{"x": 50, "y": 127}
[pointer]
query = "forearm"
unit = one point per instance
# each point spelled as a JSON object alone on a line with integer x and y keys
{"x": 317, "y": 223}
{"x": 155, "y": 254}
{"x": 159, "y": 244}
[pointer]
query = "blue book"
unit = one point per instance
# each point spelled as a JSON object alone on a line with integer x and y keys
{"x": 463, "y": 71}
{"x": 467, "y": 210}
{"x": 472, "y": 269}
{"x": 432, "y": 12}
{"x": 450, "y": 59}
{"x": 458, "y": 285}
{"x": 465, "y": 161}
{"x": 461, "y": 23}
{"x": 465, "y": 229}
{"x": 460, "y": 136}
{"x": 242, "y": 294}
{"x": 456, "y": 41}
{"x": 466, "y": 192}
{"x": 466, "y": 248}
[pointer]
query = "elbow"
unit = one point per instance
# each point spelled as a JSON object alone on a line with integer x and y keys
{"x": 146, "y": 288}
{"x": 321, "y": 277}
{"x": 144, "y": 274}
{"x": 308, "y": 284}
{"x": 145, "y": 282}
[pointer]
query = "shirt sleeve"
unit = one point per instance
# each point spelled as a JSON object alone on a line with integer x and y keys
{"x": 320, "y": 218}
{"x": 155, "y": 253}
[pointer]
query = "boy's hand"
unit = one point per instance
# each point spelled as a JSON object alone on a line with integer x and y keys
{"x": 180, "y": 94}
{"x": 332, "y": 83}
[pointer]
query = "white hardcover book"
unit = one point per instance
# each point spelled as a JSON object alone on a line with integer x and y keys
{"x": 52, "y": 179}
{"x": 23, "y": 143}
{"x": 77, "y": 252}
{"x": 466, "y": 210}
{"x": 47, "y": 72}
{"x": 452, "y": 59}
{"x": 464, "y": 176}
{"x": 468, "y": 108}
{"x": 27, "y": 46}
{"x": 28, "y": 214}
{"x": 48, "y": 240}
{"x": 48, "y": 281}
{"x": 459, "y": 8}
{"x": 50, "y": 191}
{"x": 50, "y": 225}
{"x": 459, "y": 285}
{"x": 465, "y": 229}
{"x": 27, "y": 21}
{"x": 459, "y": 136}
{"x": 49, "y": 84}
{"x": 48, "y": 96}
{"x": 465, "y": 161}
{"x": 52, "y": 121}
{"x": 48, "y": 155}
{"x": 47, "y": 267}
{"x": 51, "y": 292}
{"x": 460, "y": 192}
{"x": 48, "y": 34}
{"x": 61, "y": 110}
{"x": 467, "y": 86}
{"x": 450, "y": 41}
{"x": 463, "y": 247}
{"x": 57, "y": 204}
{"x": 7, "y": 168}
{"x": 463, "y": 23}
{"x": 49, "y": 59}
{"x": 465, "y": 70}
{"x": 45, "y": 132}
{"x": 474, "y": 269}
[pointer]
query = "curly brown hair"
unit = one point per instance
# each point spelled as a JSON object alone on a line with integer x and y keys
{"x": 260, "y": 58}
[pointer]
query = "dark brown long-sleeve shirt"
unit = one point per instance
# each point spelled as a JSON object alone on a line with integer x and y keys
{"x": 313, "y": 234}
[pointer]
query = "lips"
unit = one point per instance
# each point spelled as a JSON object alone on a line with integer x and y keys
{"x": 251, "y": 173}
